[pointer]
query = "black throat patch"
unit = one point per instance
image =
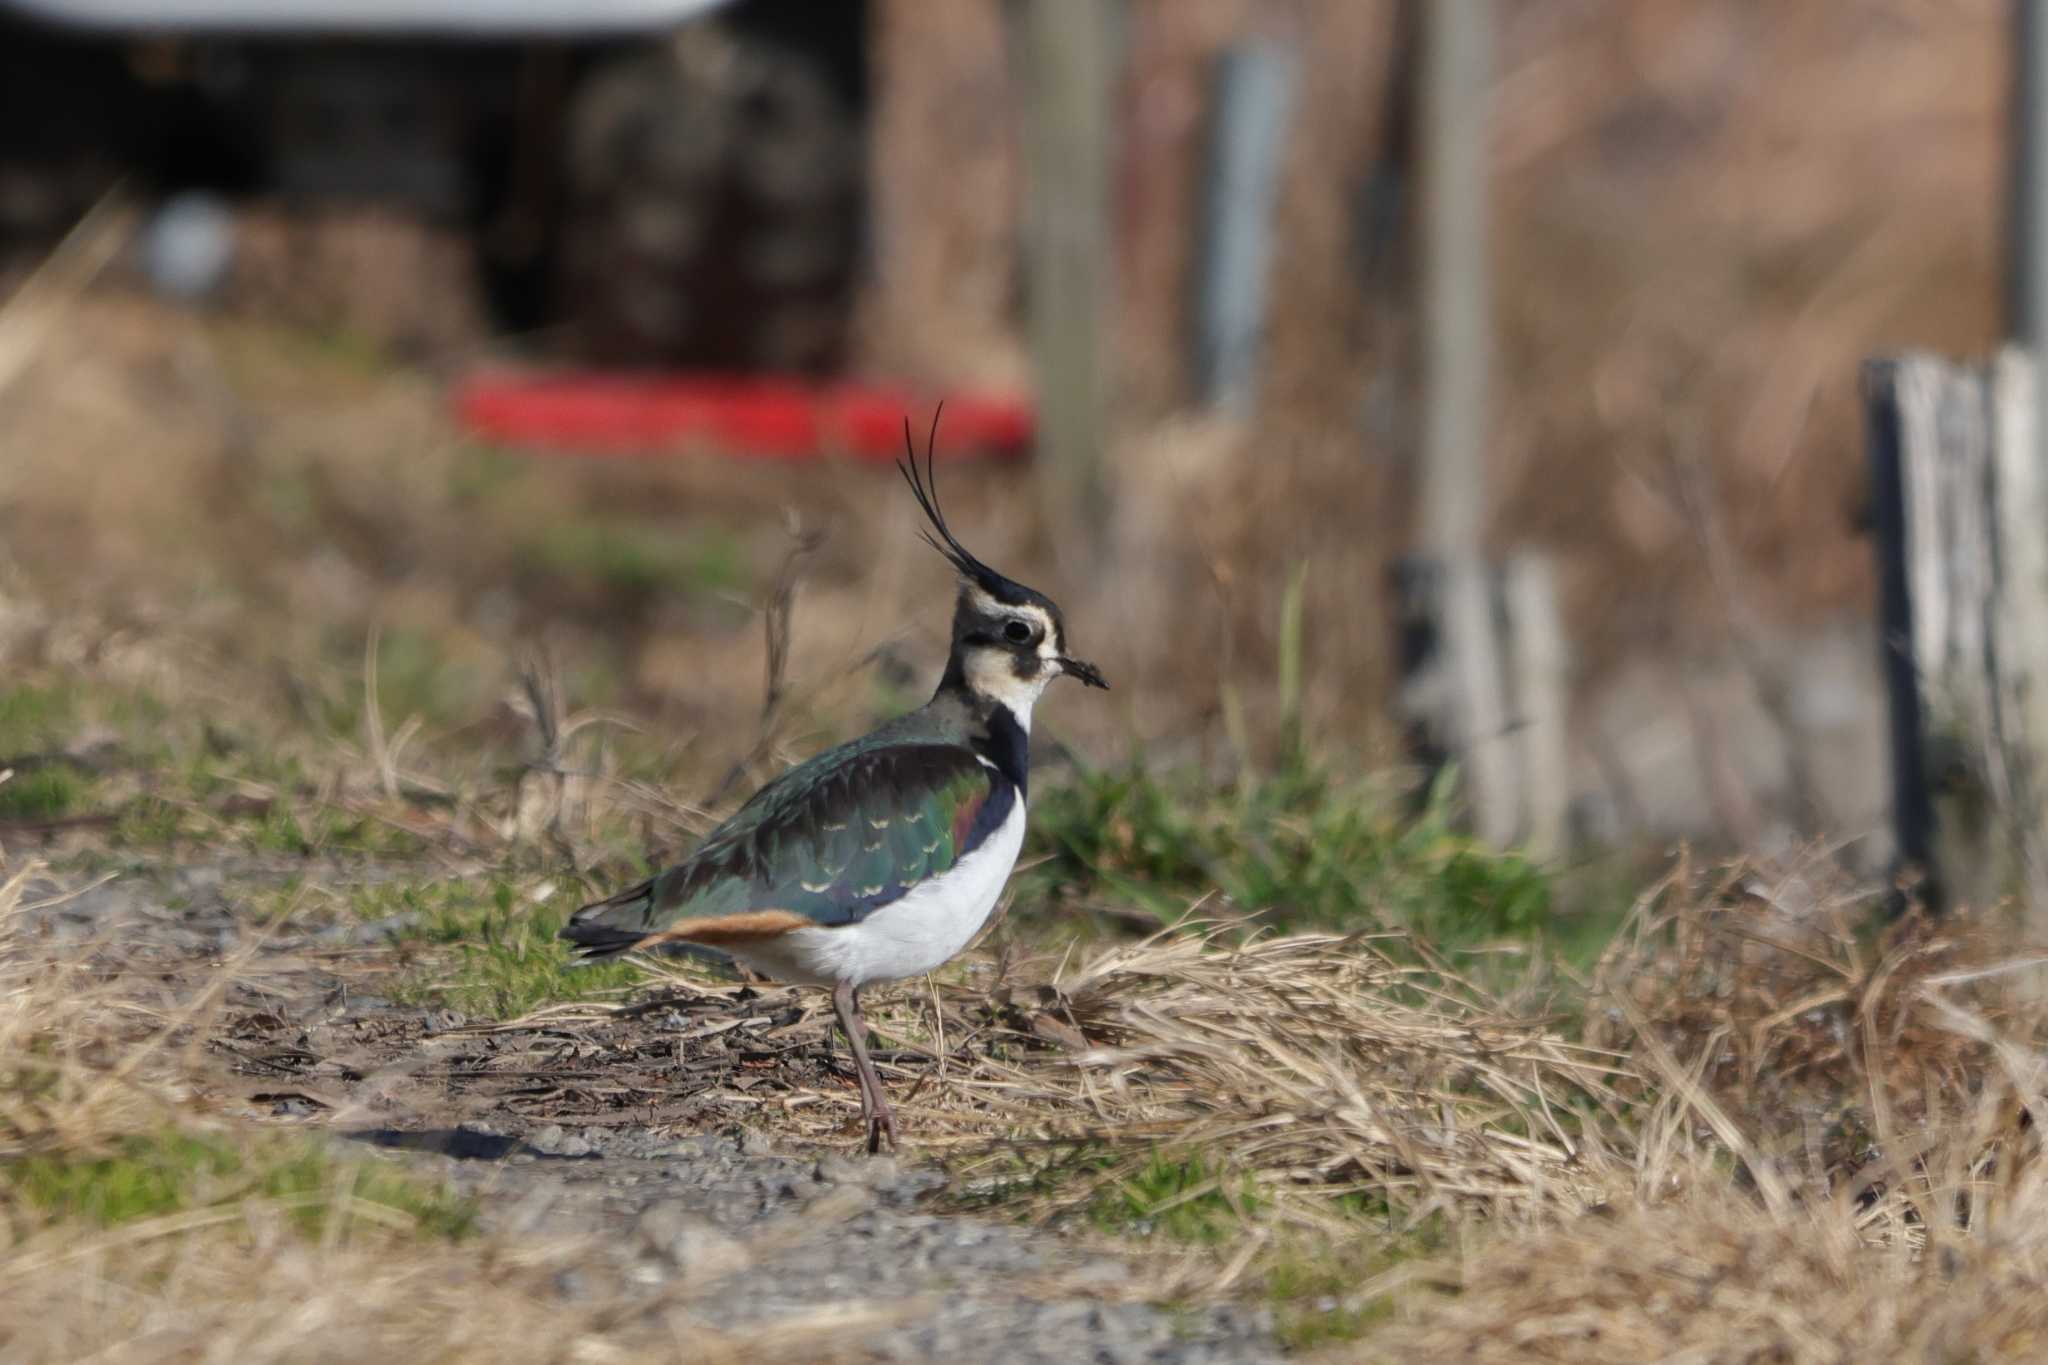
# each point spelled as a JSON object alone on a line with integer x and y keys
{"x": 1008, "y": 746}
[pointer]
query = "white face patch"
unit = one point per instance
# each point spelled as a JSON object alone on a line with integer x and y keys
{"x": 1003, "y": 638}
{"x": 992, "y": 673}
{"x": 1048, "y": 647}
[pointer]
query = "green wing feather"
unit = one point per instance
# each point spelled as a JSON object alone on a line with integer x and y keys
{"x": 832, "y": 839}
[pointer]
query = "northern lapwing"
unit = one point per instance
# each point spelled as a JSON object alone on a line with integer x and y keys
{"x": 883, "y": 858}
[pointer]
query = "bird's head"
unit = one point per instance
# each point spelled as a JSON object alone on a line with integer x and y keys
{"x": 1009, "y": 641}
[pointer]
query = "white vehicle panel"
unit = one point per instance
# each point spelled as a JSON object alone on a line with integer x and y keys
{"x": 452, "y": 18}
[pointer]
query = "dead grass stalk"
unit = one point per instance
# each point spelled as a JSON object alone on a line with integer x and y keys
{"x": 95, "y": 1059}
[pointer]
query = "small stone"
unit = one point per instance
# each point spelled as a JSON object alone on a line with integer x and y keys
{"x": 573, "y": 1145}
{"x": 547, "y": 1139}
{"x": 838, "y": 1203}
{"x": 1101, "y": 1273}
{"x": 755, "y": 1143}
{"x": 692, "y": 1244}
{"x": 834, "y": 1169}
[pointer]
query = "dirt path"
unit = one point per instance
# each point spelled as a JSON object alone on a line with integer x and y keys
{"x": 630, "y": 1132}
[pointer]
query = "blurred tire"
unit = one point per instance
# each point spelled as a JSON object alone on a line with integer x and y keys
{"x": 715, "y": 191}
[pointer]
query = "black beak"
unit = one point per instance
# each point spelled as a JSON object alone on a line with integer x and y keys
{"x": 1087, "y": 673}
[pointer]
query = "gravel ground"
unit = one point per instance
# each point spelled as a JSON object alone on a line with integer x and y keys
{"x": 760, "y": 1229}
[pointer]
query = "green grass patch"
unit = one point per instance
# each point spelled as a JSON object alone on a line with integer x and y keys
{"x": 151, "y": 822}
{"x": 417, "y": 675}
{"x": 1312, "y": 1282}
{"x": 1172, "y": 1196}
{"x": 634, "y": 562}
{"x": 44, "y": 793}
{"x": 35, "y": 721}
{"x": 43, "y": 725}
{"x": 307, "y": 831}
{"x": 50, "y": 716}
{"x": 155, "y": 821}
{"x": 152, "y": 1175}
{"x": 1183, "y": 1199}
{"x": 480, "y": 949}
{"x": 340, "y": 831}
{"x": 1297, "y": 849}
{"x": 1310, "y": 1278}
{"x": 35, "y": 718}
{"x": 481, "y": 474}
{"x": 443, "y": 681}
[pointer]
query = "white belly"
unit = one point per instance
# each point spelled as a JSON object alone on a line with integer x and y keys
{"x": 909, "y": 937}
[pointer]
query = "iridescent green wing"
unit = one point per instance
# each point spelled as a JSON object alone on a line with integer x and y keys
{"x": 832, "y": 839}
{"x": 863, "y": 833}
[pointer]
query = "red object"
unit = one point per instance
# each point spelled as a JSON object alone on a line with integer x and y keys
{"x": 609, "y": 414}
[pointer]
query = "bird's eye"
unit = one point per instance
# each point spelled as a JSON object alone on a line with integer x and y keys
{"x": 1017, "y": 633}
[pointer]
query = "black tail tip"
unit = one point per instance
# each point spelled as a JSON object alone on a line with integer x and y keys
{"x": 595, "y": 940}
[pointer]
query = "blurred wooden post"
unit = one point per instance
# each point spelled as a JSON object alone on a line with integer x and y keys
{"x": 1540, "y": 673}
{"x": 2026, "y": 303}
{"x": 1457, "y": 358}
{"x": 1067, "y": 49}
{"x": 1254, "y": 97}
{"x": 1912, "y": 800}
{"x": 1962, "y": 514}
{"x": 2020, "y": 435}
{"x": 1535, "y": 686}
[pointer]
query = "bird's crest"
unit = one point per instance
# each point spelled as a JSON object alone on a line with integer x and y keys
{"x": 925, "y": 488}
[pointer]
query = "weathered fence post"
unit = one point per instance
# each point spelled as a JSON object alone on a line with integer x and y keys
{"x": 1963, "y": 598}
{"x": 1539, "y": 691}
{"x": 1531, "y": 663}
{"x": 1069, "y": 51}
{"x": 1254, "y": 99}
{"x": 1457, "y": 345}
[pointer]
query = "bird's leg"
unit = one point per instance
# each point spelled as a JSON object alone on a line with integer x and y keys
{"x": 882, "y": 1121}
{"x": 844, "y": 1008}
{"x": 874, "y": 1105}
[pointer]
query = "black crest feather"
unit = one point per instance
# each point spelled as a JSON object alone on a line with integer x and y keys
{"x": 925, "y": 488}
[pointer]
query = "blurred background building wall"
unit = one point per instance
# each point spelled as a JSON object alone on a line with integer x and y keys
{"x": 1705, "y": 216}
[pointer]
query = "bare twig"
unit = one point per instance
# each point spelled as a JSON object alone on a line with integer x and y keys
{"x": 776, "y": 620}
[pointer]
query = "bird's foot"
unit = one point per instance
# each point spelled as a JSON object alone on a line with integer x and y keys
{"x": 881, "y": 1123}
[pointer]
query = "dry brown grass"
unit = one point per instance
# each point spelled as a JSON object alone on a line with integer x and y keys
{"x": 1836, "y": 1157}
{"x": 245, "y": 1285}
{"x": 1804, "y": 1024}
{"x": 1754, "y": 1097}
{"x": 94, "y": 1059}
{"x": 1321, "y": 1066}
{"x": 1761, "y": 1131}
{"x": 1773, "y": 1134}
{"x": 1727, "y": 1020}
{"x": 1710, "y": 1278}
